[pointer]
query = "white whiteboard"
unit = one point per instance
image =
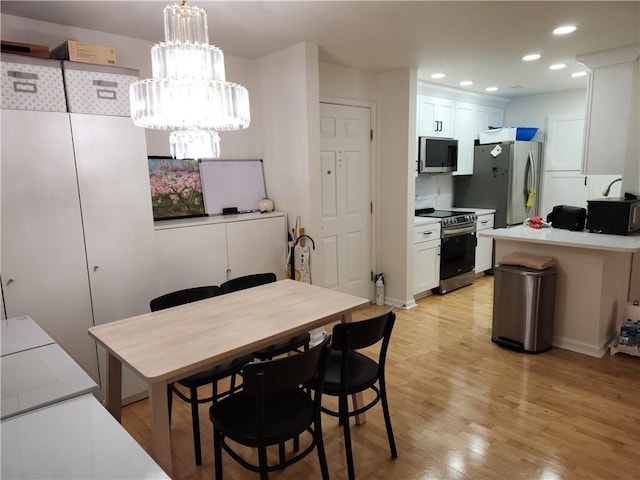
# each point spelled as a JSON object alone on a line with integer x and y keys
{"x": 232, "y": 183}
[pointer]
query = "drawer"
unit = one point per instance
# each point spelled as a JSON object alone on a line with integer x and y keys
{"x": 425, "y": 233}
{"x": 97, "y": 89}
{"x": 31, "y": 83}
{"x": 483, "y": 222}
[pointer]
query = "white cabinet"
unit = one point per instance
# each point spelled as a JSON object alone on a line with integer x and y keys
{"x": 466, "y": 132}
{"x": 608, "y": 107}
{"x": 195, "y": 253}
{"x": 426, "y": 257}
{"x": 77, "y": 246}
{"x": 563, "y": 149}
{"x": 471, "y": 118}
{"x": 484, "y": 248}
{"x": 44, "y": 269}
{"x": 435, "y": 116}
{"x": 573, "y": 188}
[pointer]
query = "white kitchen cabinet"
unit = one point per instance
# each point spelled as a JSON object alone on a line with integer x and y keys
{"x": 573, "y": 188}
{"x": 44, "y": 269}
{"x": 426, "y": 258}
{"x": 608, "y": 107}
{"x": 210, "y": 251}
{"x": 435, "y": 116}
{"x": 563, "y": 149}
{"x": 484, "y": 248}
{"x": 466, "y": 132}
{"x": 471, "y": 118}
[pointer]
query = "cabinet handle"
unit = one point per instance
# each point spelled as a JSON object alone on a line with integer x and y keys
{"x": 95, "y": 268}
{"x": 425, "y": 234}
{"x": 10, "y": 281}
{"x": 484, "y": 222}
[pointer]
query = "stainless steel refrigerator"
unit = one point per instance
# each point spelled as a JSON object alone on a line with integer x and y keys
{"x": 506, "y": 177}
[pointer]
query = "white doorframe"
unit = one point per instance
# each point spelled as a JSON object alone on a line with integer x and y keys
{"x": 373, "y": 180}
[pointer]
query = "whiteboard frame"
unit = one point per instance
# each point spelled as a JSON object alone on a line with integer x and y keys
{"x": 233, "y": 191}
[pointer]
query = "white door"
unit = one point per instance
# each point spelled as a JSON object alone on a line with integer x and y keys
{"x": 44, "y": 270}
{"x": 345, "y": 157}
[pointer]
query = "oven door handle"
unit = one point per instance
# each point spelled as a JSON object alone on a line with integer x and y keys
{"x": 452, "y": 232}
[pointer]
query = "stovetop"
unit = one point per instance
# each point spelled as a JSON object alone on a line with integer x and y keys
{"x": 449, "y": 218}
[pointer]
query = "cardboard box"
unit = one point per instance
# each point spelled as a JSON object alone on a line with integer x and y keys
{"x": 85, "y": 53}
{"x": 28, "y": 49}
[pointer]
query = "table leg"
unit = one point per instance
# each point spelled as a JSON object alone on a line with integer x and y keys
{"x": 356, "y": 398}
{"x": 113, "y": 386}
{"x": 160, "y": 432}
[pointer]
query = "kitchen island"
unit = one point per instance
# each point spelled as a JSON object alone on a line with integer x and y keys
{"x": 593, "y": 285}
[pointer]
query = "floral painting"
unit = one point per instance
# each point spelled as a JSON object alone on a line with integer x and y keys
{"x": 176, "y": 189}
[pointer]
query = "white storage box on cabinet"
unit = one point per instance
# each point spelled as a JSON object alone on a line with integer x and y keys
{"x": 426, "y": 257}
{"x": 97, "y": 89}
{"x": 31, "y": 83}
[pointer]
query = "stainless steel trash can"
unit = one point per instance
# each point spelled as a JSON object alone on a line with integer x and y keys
{"x": 523, "y": 307}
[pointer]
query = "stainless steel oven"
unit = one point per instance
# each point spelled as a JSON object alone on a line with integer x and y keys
{"x": 457, "y": 248}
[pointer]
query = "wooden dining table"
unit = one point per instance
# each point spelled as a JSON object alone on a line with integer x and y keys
{"x": 164, "y": 346}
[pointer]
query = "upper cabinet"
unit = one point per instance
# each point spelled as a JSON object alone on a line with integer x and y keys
{"x": 564, "y": 142}
{"x": 453, "y": 114}
{"x": 435, "y": 117}
{"x": 608, "y": 109}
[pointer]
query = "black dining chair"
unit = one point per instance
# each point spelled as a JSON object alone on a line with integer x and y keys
{"x": 274, "y": 405}
{"x": 208, "y": 377}
{"x": 350, "y": 372}
{"x": 295, "y": 343}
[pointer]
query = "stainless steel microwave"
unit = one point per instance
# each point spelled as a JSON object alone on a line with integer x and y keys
{"x": 436, "y": 155}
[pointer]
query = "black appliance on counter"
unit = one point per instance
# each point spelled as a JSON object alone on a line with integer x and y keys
{"x": 457, "y": 247}
{"x": 619, "y": 216}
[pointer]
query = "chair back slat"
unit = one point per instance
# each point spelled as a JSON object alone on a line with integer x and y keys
{"x": 181, "y": 297}
{"x": 364, "y": 333}
{"x": 282, "y": 374}
{"x": 247, "y": 281}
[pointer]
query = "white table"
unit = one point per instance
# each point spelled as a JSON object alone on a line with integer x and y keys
{"x": 164, "y": 346}
{"x": 73, "y": 439}
{"x": 40, "y": 376}
{"x": 21, "y": 333}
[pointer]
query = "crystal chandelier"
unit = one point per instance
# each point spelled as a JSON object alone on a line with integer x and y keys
{"x": 188, "y": 93}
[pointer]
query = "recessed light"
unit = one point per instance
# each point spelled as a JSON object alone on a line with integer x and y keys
{"x": 557, "y": 66}
{"x": 491, "y": 89}
{"x": 438, "y": 75}
{"x": 532, "y": 56}
{"x": 466, "y": 83}
{"x": 579, "y": 74}
{"x": 564, "y": 30}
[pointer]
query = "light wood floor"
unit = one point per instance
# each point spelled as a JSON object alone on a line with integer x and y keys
{"x": 463, "y": 407}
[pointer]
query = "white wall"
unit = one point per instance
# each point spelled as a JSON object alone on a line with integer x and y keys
{"x": 395, "y": 187}
{"x": 532, "y": 111}
{"x": 348, "y": 83}
{"x": 290, "y": 137}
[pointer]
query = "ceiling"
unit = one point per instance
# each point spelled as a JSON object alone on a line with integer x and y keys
{"x": 480, "y": 41}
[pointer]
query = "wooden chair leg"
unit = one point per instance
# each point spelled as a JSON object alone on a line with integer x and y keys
{"x": 195, "y": 421}
{"x": 387, "y": 419}
{"x": 217, "y": 453}
{"x": 344, "y": 418}
{"x": 262, "y": 460}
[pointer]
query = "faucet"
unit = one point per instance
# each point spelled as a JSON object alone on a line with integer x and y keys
{"x": 608, "y": 189}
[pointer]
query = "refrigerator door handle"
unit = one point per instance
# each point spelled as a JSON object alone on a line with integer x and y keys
{"x": 530, "y": 181}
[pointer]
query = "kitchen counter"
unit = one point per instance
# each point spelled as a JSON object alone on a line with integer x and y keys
{"x": 593, "y": 282}
{"x": 567, "y": 238}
